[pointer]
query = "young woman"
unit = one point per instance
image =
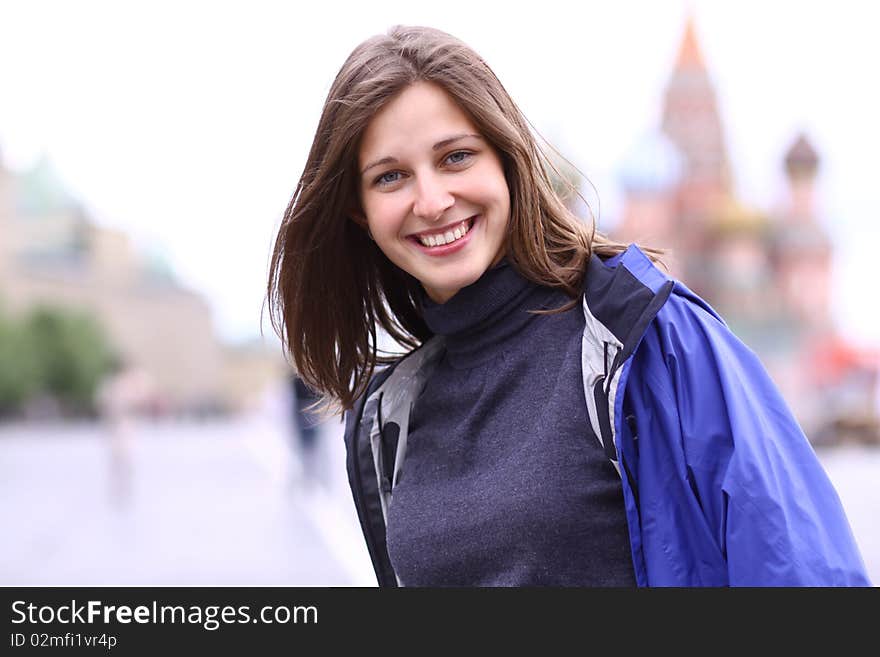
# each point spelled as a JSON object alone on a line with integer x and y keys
{"x": 566, "y": 413}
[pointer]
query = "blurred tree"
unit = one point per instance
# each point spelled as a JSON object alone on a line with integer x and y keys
{"x": 72, "y": 356}
{"x": 19, "y": 372}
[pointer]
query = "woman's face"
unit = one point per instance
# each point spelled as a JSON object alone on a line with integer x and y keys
{"x": 433, "y": 190}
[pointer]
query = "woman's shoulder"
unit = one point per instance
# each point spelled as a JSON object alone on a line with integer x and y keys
{"x": 645, "y": 268}
{"x": 632, "y": 290}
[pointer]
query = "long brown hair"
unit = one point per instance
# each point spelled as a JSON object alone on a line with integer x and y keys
{"x": 330, "y": 285}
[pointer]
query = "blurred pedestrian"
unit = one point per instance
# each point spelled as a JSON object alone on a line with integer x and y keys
{"x": 306, "y": 429}
{"x": 567, "y": 413}
{"x": 124, "y": 392}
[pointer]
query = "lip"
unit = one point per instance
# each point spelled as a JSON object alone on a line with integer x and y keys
{"x": 447, "y": 249}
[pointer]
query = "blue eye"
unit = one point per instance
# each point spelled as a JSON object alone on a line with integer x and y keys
{"x": 388, "y": 178}
{"x": 458, "y": 157}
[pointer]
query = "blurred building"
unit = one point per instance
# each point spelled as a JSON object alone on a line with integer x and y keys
{"x": 767, "y": 273}
{"x": 51, "y": 252}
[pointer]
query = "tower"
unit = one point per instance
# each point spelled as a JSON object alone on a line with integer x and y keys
{"x": 692, "y": 121}
{"x": 801, "y": 166}
{"x": 802, "y": 248}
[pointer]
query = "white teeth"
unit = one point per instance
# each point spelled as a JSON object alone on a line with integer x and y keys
{"x": 445, "y": 238}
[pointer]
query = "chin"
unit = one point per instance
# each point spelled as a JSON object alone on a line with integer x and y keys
{"x": 447, "y": 287}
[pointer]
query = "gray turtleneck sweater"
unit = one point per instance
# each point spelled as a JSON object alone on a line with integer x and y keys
{"x": 503, "y": 484}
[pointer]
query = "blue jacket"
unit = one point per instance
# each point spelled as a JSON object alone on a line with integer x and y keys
{"x": 720, "y": 485}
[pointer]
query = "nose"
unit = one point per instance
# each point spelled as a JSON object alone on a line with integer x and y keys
{"x": 432, "y": 198}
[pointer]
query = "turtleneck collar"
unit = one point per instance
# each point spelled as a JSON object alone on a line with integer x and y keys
{"x": 480, "y": 318}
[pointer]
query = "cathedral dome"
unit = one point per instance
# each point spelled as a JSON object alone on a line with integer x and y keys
{"x": 652, "y": 165}
{"x": 41, "y": 191}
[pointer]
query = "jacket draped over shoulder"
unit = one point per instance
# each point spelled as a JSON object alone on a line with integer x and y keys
{"x": 731, "y": 491}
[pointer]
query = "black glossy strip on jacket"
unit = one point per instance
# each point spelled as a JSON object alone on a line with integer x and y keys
{"x": 362, "y": 476}
{"x": 390, "y": 435}
{"x": 604, "y": 418}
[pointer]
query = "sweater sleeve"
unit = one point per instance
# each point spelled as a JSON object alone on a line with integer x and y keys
{"x": 750, "y": 478}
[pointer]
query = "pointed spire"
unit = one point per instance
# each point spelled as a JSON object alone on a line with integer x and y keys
{"x": 692, "y": 120}
{"x": 801, "y": 160}
{"x": 689, "y": 54}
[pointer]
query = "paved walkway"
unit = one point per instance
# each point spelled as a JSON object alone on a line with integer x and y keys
{"x": 222, "y": 503}
{"x": 188, "y": 504}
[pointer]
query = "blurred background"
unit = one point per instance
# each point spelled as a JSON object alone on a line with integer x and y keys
{"x": 150, "y": 430}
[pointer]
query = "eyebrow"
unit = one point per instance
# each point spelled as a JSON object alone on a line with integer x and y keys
{"x": 436, "y": 147}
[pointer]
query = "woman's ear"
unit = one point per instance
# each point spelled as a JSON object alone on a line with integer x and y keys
{"x": 358, "y": 217}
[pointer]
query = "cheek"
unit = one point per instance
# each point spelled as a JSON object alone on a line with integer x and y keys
{"x": 493, "y": 184}
{"x": 383, "y": 215}
{"x": 500, "y": 198}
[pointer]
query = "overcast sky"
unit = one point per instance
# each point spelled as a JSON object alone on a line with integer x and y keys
{"x": 187, "y": 124}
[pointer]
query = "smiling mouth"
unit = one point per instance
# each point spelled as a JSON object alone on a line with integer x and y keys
{"x": 451, "y": 235}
